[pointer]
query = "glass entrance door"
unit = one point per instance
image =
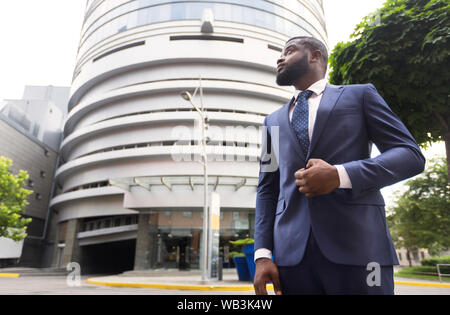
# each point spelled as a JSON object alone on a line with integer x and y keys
{"x": 179, "y": 251}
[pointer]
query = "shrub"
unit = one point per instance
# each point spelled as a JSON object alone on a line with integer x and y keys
{"x": 235, "y": 254}
{"x": 242, "y": 242}
{"x": 433, "y": 261}
{"x": 426, "y": 270}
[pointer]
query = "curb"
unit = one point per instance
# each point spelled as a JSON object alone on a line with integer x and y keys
{"x": 423, "y": 284}
{"x": 9, "y": 275}
{"x": 162, "y": 286}
{"x": 175, "y": 286}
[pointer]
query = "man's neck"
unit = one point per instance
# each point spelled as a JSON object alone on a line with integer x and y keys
{"x": 306, "y": 81}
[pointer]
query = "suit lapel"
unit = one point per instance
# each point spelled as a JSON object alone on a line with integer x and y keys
{"x": 329, "y": 99}
{"x": 286, "y": 126}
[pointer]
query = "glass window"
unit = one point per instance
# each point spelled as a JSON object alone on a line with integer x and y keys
{"x": 187, "y": 214}
{"x": 132, "y": 19}
{"x": 142, "y": 16}
{"x": 177, "y": 11}
{"x": 194, "y": 11}
{"x": 237, "y": 14}
{"x": 291, "y": 18}
{"x": 159, "y": 14}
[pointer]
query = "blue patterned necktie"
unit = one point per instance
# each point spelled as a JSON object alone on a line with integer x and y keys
{"x": 300, "y": 120}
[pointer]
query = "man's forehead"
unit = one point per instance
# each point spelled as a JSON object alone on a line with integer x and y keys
{"x": 294, "y": 42}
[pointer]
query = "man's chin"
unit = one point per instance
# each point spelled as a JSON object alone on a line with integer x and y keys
{"x": 283, "y": 79}
{"x": 283, "y": 83}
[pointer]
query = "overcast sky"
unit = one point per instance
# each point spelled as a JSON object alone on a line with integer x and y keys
{"x": 39, "y": 40}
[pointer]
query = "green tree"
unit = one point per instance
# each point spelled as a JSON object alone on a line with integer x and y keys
{"x": 12, "y": 202}
{"x": 421, "y": 216}
{"x": 403, "y": 49}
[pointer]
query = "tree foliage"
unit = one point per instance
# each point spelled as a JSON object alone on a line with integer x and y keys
{"x": 421, "y": 216}
{"x": 12, "y": 202}
{"x": 403, "y": 49}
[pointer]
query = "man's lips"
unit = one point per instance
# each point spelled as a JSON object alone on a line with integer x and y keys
{"x": 280, "y": 67}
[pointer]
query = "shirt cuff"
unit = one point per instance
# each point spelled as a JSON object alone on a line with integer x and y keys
{"x": 263, "y": 253}
{"x": 343, "y": 177}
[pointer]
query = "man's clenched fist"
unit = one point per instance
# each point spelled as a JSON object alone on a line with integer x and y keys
{"x": 319, "y": 178}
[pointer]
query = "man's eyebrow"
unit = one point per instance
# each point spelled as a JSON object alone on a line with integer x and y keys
{"x": 291, "y": 45}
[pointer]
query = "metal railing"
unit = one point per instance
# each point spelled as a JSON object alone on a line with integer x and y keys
{"x": 439, "y": 271}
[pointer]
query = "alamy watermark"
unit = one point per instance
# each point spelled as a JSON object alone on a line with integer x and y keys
{"x": 374, "y": 277}
{"x": 228, "y": 144}
{"x": 73, "y": 279}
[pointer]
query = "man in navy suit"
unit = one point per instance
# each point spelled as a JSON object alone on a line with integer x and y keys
{"x": 320, "y": 224}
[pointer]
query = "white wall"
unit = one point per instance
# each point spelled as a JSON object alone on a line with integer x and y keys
{"x": 10, "y": 249}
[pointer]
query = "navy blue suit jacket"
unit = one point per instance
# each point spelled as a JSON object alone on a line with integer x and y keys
{"x": 348, "y": 224}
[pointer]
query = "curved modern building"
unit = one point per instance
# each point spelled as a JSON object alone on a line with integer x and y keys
{"x": 127, "y": 199}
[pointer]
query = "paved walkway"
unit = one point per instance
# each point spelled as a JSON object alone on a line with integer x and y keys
{"x": 191, "y": 281}
{"x": 171, "y": 282}
{"x": 174, "y": 280}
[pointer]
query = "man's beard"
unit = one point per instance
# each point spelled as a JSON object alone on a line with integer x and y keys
{"x": 290, "y": 74}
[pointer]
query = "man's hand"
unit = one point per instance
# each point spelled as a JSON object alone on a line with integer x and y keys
{"x": 319, "y": 178}
{"x": 266, "y": 271}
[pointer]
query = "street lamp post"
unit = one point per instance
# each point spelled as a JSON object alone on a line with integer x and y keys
{"x": 188, "y": 97}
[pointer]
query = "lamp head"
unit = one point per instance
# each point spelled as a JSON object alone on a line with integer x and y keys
{"x": 186, "y": 96}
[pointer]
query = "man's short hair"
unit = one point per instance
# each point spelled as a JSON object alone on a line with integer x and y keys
{"x": 313, "y": 44}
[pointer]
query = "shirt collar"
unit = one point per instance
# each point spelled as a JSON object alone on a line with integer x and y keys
{"x": 318, "y": 88}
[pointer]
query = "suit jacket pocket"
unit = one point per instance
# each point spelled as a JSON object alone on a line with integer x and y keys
{"x": 345, "y": 197}
{"x": 280, "y": 207}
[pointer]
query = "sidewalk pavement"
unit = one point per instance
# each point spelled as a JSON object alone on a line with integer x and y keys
{"x": 178, "y": 282}
{"x": 191, "y": 280}
{"x": 175, "y": 280}
{"x": 15, "y": 272}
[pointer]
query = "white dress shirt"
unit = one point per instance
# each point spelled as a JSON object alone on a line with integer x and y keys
{"x": 314, "y": 101}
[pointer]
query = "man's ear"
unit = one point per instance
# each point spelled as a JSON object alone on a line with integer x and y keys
{"x": 316, "y": 56}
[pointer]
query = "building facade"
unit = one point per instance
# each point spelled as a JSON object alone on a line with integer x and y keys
{"x": 130, "y": 191}
{"x": 413, "y": 257}
{"x": 31, "y": 133}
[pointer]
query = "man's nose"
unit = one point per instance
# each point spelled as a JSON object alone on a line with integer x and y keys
{"x": 280, "y": 60}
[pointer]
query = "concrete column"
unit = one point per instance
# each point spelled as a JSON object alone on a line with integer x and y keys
{"x": 146, "y": 242}
{"x": 251, "y": 223}
{"x": 72, "y": 251}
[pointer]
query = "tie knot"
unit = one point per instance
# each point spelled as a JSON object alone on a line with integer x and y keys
{"x": 306, "y": 94}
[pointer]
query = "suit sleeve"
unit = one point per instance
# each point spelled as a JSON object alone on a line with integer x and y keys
{"x": 267, "y": 195}
{"x": 400, "y": 156}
